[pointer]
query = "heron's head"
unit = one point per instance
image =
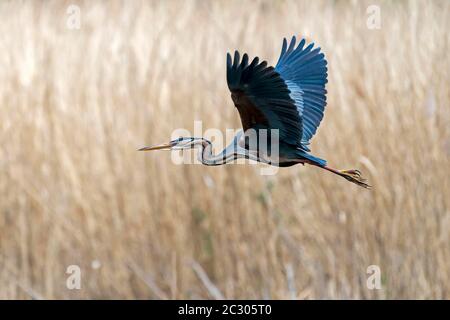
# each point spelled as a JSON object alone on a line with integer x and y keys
{"x": 177, "y": 144}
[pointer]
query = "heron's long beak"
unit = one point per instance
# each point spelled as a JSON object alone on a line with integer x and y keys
{"x": 164, "y": 146}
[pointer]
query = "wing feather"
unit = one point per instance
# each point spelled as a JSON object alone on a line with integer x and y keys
{"x": 305, "y": 69}
{"x": 290, "y": 97}
{"x": 263, "y": 98}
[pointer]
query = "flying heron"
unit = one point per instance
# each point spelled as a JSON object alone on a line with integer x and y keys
{"x": 289, "y": 98}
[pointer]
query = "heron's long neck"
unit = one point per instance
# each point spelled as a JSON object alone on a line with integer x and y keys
{"x": 206, "y": 156}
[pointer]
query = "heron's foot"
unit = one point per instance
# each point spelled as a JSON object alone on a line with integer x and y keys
{"x": 355, "y": 177}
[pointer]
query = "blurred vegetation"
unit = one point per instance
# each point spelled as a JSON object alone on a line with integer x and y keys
{"x": 76, "y": 104}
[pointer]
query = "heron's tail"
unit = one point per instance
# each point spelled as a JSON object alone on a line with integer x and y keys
{"x": 313, "y": 159}
{"x": 351, "y": 175}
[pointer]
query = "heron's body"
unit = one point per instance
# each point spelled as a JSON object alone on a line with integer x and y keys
{"x": 289, "y": 99}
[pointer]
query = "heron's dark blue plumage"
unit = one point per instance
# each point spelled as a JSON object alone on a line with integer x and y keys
{"x": 304, "y": 69}
{"x": 289, "y": 97}
{"x": 262, "y": 98}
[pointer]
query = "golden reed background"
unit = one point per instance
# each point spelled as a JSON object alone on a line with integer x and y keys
{"x": 76, "y": 104}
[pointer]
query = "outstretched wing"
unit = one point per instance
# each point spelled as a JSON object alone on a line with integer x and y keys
{"x": 304, "y": 69}
{"x": 263, "y": 98}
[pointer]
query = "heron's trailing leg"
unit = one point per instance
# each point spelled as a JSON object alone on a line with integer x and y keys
{"x": 351, "y": 175}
